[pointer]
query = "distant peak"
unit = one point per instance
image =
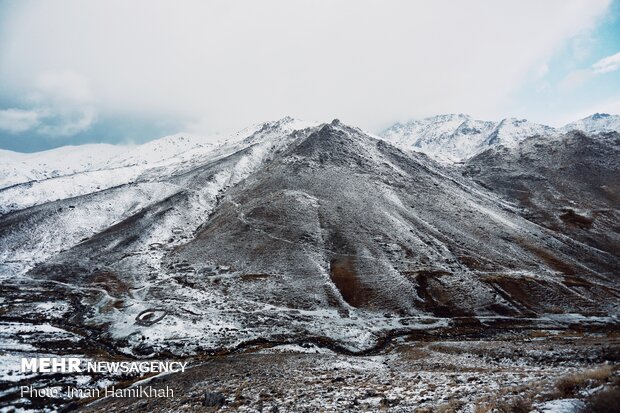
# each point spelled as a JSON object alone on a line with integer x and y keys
{"x": 513, "y": 120}
{"x": 598, "y": 116}
{"x": 451, "y": 116}
{"x": 286, "y": 119}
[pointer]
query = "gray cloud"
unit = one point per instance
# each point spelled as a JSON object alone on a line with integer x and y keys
{"x": 18, "y": 120}
{"x": 61, "y": 105}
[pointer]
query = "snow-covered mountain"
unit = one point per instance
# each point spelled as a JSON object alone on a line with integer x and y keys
{"x": 287, "y": 230}
{"x": 456, "y": 138}
{"x": 599, "y": 122}
{"x": 443, "y": 137}
{"x": 568, "y": 183}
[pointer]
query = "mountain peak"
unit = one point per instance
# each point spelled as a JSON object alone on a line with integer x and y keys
{"x": 598, "y": 116}
{"x": 449, "y": 117}
{"x": 512, "y": 121}
{"x": 595, "y": 123}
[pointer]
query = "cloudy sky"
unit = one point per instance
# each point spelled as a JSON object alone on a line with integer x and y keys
{"x": 129, "y": 71}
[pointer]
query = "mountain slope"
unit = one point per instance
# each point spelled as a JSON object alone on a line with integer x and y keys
{"x": 568, "y": 184}
{"x": 56, "y": 213}
{"x": 18, "y": 167}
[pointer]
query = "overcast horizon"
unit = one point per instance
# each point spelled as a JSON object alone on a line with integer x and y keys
{"x": 129, "y": 72}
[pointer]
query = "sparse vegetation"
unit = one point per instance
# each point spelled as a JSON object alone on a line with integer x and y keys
{"x": 514, "y": 376}
{"x": 569, "y": 385}
{"x": 502, "y": 405}
{"x": 452, "y": 406}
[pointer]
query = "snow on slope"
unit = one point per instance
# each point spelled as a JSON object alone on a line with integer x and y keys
{"x": 509, "y": 132}
{"x": 16, "y": 167}
{"x": 19, "y": 168}
{"x": 56, "y": 223}
{"x": 159, "y": 150}
{"x": 33, "y": 179}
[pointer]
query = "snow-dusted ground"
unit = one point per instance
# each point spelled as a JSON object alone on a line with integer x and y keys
{"x": 450, "y": 375}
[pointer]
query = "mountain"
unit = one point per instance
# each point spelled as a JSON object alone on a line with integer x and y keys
{"x": 568, "y": 184}
{"x": 453, "y": 138}
{"x": 456, "y": 138}
{"x": 290, "y": 231}
{"x": 599, "y": 122}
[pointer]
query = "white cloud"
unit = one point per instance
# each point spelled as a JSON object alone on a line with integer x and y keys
{"x": 579, "y": 77}
{"x": 18, "y": 120}
{"x": 582, "y": 45}
{"x": 227, "y": 64}
{"x": 63, "y": 87}
{"x": 576, "y": 78}
{"x": 542, "y": 70}
{"x": 607, "y": 64}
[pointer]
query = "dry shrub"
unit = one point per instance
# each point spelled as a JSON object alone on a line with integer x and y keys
{"x": 414, "y": 353}
{"x": 539, "y": 333}
{"x": 498, "y": 405}
{"x": 605, "y": 401}
{"x": 453, "y": 406}
{"x": 518, "y": 405}
{"x": 569, "y": 385}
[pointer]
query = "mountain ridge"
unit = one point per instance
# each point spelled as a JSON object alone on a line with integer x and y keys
{"x": 458, "y": 137}
{"x": 446, "y": 138}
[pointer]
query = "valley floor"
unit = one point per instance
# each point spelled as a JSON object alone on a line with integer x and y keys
{"x": 541, "y": 371}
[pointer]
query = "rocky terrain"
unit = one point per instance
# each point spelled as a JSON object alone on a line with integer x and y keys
{"x": 290, "y": 233}
{"x": 561, "y": 183}
{"x": 545, "y": 372}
